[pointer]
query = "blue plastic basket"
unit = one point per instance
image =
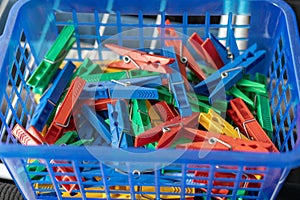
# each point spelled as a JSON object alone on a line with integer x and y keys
{"x": 32, "y": 27}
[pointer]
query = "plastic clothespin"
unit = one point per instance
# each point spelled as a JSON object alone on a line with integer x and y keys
{"x": 207, "y": 51}
{"x": 87, "y": 68}
{"x": 165, "y": 111}
{"x": 86, "y": 132}
{"x": 177, "y": 85}
{"x": 126, "y": 89}
{"x": 237, "y": 93}
{"x": 51, "y": 97}
{"x": 252, "y": 86}
{"x": 244, "y": 119}
{"x": 184, "y": 57}
{"x": 97, "y": 122}
{"x": 231, "y": 51}
{"x": 213, "y": 122}
{"x": 36, "y": 134}
{"x": 139, "y": 116}
{"x": 263, "y": 113}
{"x": 164, "y": 94}
{"x": 68, "y": 138}
{"x": 230, "y": 74}
{"x": 45, "y": 72}
{"x": 133, "y": 59}
{"x": 216, "y": 141}
{"x": 62, "y": 117}
{"x": 24, "y": 137}
{"x": 119, "y": 125}
{"x": 65, "y": 178}
{"x": 167, "y": 132}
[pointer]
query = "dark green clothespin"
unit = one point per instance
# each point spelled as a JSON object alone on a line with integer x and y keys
{"x": 45, "y": 72}
{"x": 139, "y": 116}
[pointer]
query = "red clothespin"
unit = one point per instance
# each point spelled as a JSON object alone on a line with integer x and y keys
{"x": 244, "y": 119}
{"x": 165, "y": 134}
{"x": 133, "y": 59}
{"x": 24, "y": 137}
{"x": 207, "y": 51}
{"x": 216, "y": 141}
{"x": 36, "y": 134}
{"x": 62, "y": 118}
{"x": 65, "y": 178}
{"x": 165, "y": 111}
{"x": 99, "y": 104}
{"x": 182, "y": 54}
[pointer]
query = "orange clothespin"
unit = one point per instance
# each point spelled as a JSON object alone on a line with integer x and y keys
{"x": 167, "y": 133}
{"x": 244, "y": 119}
{"x": 133, "y": 59}
{"x": 216, "y": 141}
{"x": 183, "y": 55}
{"x": 207, "y": 51}
{"x": 62, "y": 118}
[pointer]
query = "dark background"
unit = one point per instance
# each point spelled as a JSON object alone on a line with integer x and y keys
{"x": 291, "y": 187}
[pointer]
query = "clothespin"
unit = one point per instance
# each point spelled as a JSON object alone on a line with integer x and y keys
{"x": 164, "y": 94}
{"x": 165, "y": 111}
{"x": 177, "y": 85}
{"x": 230, "y": 74}
{"x": 65, "y": 178}
{"x": 207, "y": 51}
{"x": 44, "y": 73}
{"x": 133, "y": 59}
{"x": 252, "y": 86}
{"x": 139, "y": 116}
{"x": 51, "y": 97}
{"x": 126, "y": 89}
{"x": 87, "y": 68}
{"x": 119, "y": 125}
{"x": 184, "y": 57}
{"x": 167, "y": 132}
{"x": 231, "y": 51}
{"x": 68, "y": 138}
{"x": 86, "y": 131}
{"x": 62, "y": 117}
{"x": 237, "y": 93}
{"x": 97, "y": 123}
{"x": 213, "y": 122}
{"x": 216, "y": 141}
{"x": 24, "y": 137}
{"x": 244, "y": 119}
{"x": 263, "y": 113}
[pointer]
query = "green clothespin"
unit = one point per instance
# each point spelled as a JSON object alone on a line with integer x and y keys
{"x": 260, "y": 78}
{"x": 198, "y": 106}
{"x": 88, "y": 68}
{"x": 105, "y": 76}
{"x": 165, "y": 95}
{"x": 141, "y": 73}
{"x": 252, "y": 86}
{"x": 235, "y": 92}
{"x": 45, "y": 72}
{"x": 35, "y": 167}
{"x": 82, "y": 142}
{"x": 68, "y": 138}
{"x": 139, "y": 116}
{"x": 263, "y": 113}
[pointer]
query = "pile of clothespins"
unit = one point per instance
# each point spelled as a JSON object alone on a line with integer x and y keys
{"x": 152, "y": 101}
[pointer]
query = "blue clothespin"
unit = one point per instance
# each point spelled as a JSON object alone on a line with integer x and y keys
{"x": 126, "y": 88}
{"x": 228, "y": 75}
{"x": 97, "y": 123}
{"x": 231, "y": 52}
{"x": 119, "y": 125}
{"x": 51, "y": 97}
{"x": 177, "y": 84}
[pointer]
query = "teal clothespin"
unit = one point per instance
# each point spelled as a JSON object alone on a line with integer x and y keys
{"x": 45, "y": 72}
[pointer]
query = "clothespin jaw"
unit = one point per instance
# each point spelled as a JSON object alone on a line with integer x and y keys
{"x": 207, "y": 51}
{"x": 51, "y": 97}
{"x": 242, "y": 116}
{"x": 24, "y": 137}
{"x": 44, "y": 73}
{"x": 97, "y": 123}
{"x": 213, "y": 122}
{"x": 62, "y": 117}
{"x": 119, "y": 125}
{"x": 177, "y": 85}
{"x": 164, "y": 133}
{"x": 133, "y": 59}
{"x": 216, "y": 141}
{"x": 139, "y": 116}
{"x": 230, "y": 74}
{"x": 165, "y": 111}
